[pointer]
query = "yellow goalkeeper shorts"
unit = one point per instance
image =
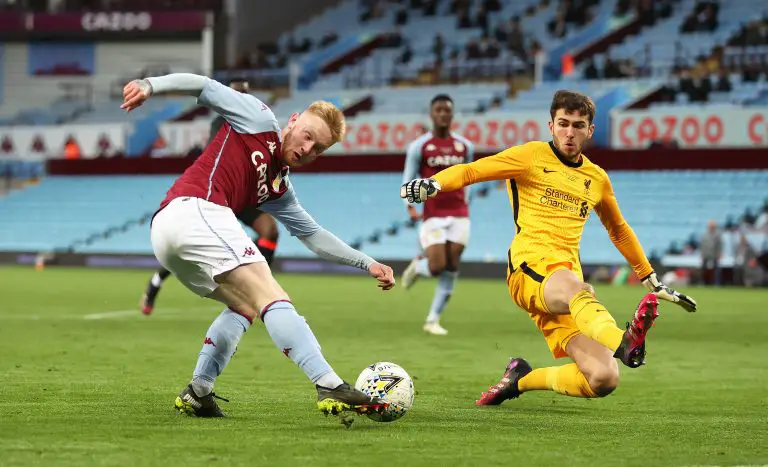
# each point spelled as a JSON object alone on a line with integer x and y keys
{"x": 526, "y": 287}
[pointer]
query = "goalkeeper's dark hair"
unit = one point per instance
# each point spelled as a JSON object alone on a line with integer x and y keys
{"x": 237, "y": 79}
{"x": 440, "y": 98}
{"x": 572, "y": 101}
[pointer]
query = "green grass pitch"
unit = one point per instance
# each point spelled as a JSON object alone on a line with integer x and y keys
{"x": 87, "y": 380}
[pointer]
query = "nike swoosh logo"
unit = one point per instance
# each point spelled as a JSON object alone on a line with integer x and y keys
{"x": 549, "y": 171}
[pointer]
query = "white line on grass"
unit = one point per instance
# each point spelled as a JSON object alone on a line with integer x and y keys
{"x": 111, "y": 314}
{"x": 135, "y": 312}
{"x": 191, "y": 312}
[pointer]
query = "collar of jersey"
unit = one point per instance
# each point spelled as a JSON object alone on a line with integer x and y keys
{"x": 563, "y": 159}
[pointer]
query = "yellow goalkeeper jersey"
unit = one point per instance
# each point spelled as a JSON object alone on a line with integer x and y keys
{"x": 551, "y": 200}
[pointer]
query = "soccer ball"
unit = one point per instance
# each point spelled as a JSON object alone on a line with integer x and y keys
{"x": 391, "y": 383}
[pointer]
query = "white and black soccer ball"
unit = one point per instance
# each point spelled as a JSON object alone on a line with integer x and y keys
{"x": 391, "y": 383}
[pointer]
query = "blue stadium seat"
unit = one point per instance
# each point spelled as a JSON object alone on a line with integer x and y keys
{"x": 35, "y": 218}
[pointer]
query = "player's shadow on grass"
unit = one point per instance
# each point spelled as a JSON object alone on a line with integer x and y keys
{"x": 546, "y": 409}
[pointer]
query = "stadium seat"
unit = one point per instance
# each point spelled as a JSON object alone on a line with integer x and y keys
{"x": 36, "y": 220}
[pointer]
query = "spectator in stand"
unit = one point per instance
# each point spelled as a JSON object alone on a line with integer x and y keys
{"x": 438, "y": 48}
{"x": 515, "y": 38}
{"x": 481, "y": 19}
{"x": 533, "y": 51}
{"x": 702, "y": 86}
{"x": 711, "y": 250}
{"x": 664, "y": 9}
{"x": 430, "y": 8}
{"x": 755, "y": 33}
{"x": 259, "y": 60}
{"x": 464, "y": 21}
{"x": 622, "y": 8}
{"x": 611, "y": 69}
{"x": 703, "y": 18}
{"x": 723, "y": 83}
{"x": 591, "y": 72}
{"x": 492, "y": 5}
{"x": 646, "y": 12}
{"x": 328, "y": 38}
{"x": 457, "y": 6}
{"x": 473, "y": 49}
{"x": 558, "y": 27}
{"x": 744, "y": 259}
{"x": 406, "y": 56}
{"x": 401, "y": 17}
{"x": 492, "y": 49}
{"x": 372, "y": 10}
{"x": 627, "y": 68}
{"x": 752, "y": 70}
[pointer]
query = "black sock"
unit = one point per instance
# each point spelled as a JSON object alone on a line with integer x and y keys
{"x": 267, "y": 248}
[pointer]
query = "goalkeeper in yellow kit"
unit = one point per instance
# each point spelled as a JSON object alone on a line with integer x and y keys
{"x": 553, "y": 188}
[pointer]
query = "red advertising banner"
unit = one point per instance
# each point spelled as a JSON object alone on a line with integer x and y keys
{"x": 10, "y": 22}
{"x": 691, "y": 127}
{"x": 117, "y": 21}
{"x": 382, "y": 134}
{"x": 99, "y": 23}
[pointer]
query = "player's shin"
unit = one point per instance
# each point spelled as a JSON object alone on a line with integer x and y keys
{"x": 292, "y": 335}
{"x": 220, "y": 344}
{"x": 594, "y": 320}
{"x": 567, "y": 380}
{"x": 445, "y": 284}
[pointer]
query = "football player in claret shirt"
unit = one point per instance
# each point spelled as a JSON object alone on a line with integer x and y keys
{"x": 263, "y": 224}
{"x": 445, "y": 229}
{"x": 196, "y": 235}
{"x": 553, "y": 187}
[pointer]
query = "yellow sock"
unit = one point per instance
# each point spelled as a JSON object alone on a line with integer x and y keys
{"x": 594, "y": 320}
{"x": 566, "y": 379}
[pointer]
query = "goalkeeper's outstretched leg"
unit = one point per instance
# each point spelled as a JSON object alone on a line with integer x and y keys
{"x": 594, "y": 371}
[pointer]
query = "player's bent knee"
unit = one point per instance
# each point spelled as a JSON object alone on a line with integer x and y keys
{"x": 251, "y": 286}
{"x": 272, "y": 233}
{"x": 603, "y": 380}
{"x": 436, "y": 271}
{"x": 436, "y": 267}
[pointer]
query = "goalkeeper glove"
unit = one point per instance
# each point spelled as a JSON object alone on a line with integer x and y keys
{"x": 417, "y": 191}
{"x": 665, "y": 293}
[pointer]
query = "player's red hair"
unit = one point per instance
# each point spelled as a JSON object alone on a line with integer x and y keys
{"x": 332, "y": 116}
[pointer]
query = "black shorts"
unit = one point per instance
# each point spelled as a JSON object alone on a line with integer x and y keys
{"x": 249, "y": 215}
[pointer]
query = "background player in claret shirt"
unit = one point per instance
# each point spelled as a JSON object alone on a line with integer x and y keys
{"x": 445, "y": 230}
{"x": 552, "y": 189}
{"x": 196, "y": 235}
{"x": 262, "y": 223}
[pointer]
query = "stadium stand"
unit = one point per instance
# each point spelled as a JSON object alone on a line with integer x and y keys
{"x": 36, "y": 220}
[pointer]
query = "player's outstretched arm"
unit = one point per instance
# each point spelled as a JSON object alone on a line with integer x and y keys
{"x": 323, "y": 243}
{"x": 246, "y": 113}
{"x": 138, "y": 91}
{"x": 625, "y": 240}
{"x": 510, "y": 163}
